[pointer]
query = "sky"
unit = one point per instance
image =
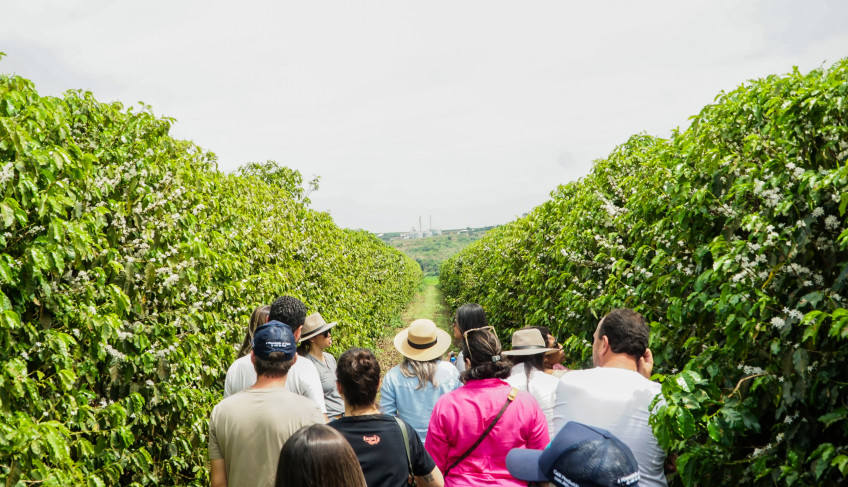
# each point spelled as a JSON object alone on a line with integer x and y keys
{"x": 465, "y": 112}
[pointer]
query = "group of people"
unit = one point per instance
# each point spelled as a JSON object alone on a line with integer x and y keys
{"x": 294, "y": 416}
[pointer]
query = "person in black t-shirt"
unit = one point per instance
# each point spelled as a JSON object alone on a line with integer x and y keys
{"x": 376, "y": 438}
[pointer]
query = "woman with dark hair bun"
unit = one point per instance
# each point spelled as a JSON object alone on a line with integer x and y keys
{"x": 388, "y": 455}
{"x": 318, "y": 456}
{"x": 472, "y": 428}
{"x": 469, "y": 316}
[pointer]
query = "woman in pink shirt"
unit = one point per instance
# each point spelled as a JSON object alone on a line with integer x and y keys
{"x": 461, "y": 417}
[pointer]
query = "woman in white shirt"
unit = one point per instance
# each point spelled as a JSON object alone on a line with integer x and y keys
{"x": 528, "y": 373}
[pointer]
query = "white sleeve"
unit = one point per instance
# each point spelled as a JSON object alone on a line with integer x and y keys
{"x": 303, "y": 379}
{"x": 460, "y": 362}
{"x": 240, "y": 376}
{"x": 561, "y": 412}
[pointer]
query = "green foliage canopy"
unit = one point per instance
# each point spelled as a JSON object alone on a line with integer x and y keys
{"x": 730, "y": 238}
{"x": 128, "y": 269}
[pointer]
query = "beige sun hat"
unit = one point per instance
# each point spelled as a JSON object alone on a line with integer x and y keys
{"x": 314, "y": 325}
{"x": 528, "y": 342}
{"x": 422, "y": 341}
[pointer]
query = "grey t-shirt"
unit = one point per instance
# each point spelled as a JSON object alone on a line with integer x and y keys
{"x": 327, "y": 372}
{"x": 249, "y": 428}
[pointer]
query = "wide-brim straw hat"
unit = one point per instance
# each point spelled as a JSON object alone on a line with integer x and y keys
{"x": 422, "y": 341}
{"x": 315, "y": 325}
{"x": 528, "y": 342}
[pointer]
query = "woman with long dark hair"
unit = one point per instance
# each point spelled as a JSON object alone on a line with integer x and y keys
{"x": 528, "y": 373}
{"x": 318, "y": 456}
{"x": 469, "y": 316}
{"x": 387, "y": 454}
{"x": 473, "y": 428}
{"x": 411, "y": 389}
{"x": 241, "y": 375}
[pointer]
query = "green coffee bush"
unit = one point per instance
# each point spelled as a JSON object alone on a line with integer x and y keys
{"x": 730, "y": 238}
{"x": 129, "y": 266}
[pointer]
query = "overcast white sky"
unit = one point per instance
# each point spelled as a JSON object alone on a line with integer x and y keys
{"x": 469, "y": 111}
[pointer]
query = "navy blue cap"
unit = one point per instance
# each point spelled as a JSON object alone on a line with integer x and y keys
{"x": 274, "y": 336}
{"x": 579, "y": 456}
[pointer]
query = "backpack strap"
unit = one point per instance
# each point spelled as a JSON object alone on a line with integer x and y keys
{"x": 511, "y": 397}
{"x": 405, "y": 433}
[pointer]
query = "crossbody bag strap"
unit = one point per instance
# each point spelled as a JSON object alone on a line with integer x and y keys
{"x": 512, "y": 393}
{"x": 405, "y": 433}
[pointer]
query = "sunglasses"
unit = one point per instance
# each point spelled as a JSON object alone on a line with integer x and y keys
{"x": 326, "y": 334}
{"x": 465, "y": 336}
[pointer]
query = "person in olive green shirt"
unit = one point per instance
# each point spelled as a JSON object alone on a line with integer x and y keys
{"x": 248, "y": 429}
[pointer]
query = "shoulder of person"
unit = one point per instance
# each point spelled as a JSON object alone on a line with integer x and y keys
{"x": 303, "y": 365}
{"x": 544, "y": 378}
{"x": 447, "y": 367}
{"x": 292, "y": 399}
{"x": 240, "y": 363}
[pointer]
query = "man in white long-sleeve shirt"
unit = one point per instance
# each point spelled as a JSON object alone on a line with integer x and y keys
{"x": 616, "y": 395}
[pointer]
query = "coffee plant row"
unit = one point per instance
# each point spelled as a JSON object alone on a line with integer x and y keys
{"x": 730, "y": 237}
{"x": 129, "y": 266}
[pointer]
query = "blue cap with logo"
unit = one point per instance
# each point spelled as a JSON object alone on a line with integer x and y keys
{"x": 579, "y": 456}
{"x": 274, "y": 336}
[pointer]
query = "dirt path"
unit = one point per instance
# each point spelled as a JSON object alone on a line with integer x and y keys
{"x": 428, "y": 303}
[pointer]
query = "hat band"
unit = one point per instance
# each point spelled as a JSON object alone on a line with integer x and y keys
{"x": 421, "y": 346}
{"x": 527, "y": 347}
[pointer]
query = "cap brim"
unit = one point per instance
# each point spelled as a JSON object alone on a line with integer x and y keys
{"x": 318, "y": 331}
{"x": 443, "y": 343}
{"x": 523, "y": 464}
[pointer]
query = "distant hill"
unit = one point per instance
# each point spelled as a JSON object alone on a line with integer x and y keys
{"x": 430, "y": 252}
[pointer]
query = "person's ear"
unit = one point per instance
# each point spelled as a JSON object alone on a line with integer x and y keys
{"x": 467, "y": 363}
{"x": 339, "y": 388}
{"x": 605, "y": 346}
{"x": 252, "y": 357}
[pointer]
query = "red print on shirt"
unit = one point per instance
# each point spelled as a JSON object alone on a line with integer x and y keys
{"x": 371, "y": 440}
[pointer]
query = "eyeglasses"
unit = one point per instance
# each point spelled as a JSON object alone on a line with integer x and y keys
{"x": 326, "y": 334}
{"x": 557, "y": 347}
{"x": 465, "y": 336}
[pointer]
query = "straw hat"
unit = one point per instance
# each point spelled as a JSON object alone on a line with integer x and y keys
{"x": 422, "y": 341}
{"x": 314, "y": 325}
{"x": 528, "y": 342}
